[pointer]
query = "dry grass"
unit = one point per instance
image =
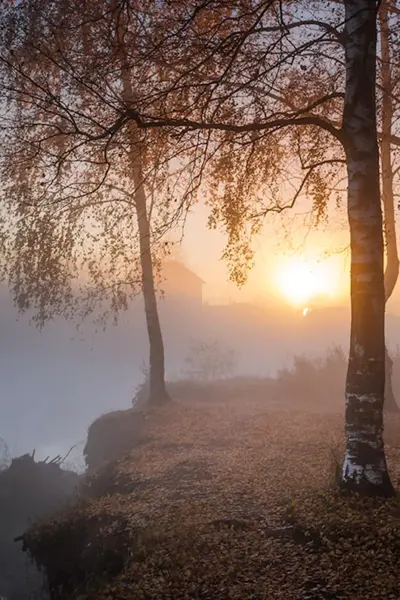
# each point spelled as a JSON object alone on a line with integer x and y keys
{"x": 234, "y": 500}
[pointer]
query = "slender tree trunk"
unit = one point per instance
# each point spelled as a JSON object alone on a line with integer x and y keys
{"x": 157, "y": 389}
{"x": 392, "y": 257}
{"x": 158, "y": 394}
{"x": 364, "y": 468}
{"x": 390, "y": 405}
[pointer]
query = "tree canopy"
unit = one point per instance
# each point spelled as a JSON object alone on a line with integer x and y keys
{"x": 241, "y": 96}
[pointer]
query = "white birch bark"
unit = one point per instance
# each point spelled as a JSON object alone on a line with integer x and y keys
{"x": 364, "y": 468}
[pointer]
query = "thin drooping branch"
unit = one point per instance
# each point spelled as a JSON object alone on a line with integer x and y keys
{"x": 289, "y": 205}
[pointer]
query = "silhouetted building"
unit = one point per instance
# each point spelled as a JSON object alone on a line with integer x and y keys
{"x": 181, "y": 285}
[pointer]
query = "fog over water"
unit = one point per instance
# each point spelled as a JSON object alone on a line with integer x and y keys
{"x": 55, "y": 382}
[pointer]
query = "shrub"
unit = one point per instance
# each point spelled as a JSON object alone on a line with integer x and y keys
{"x": 315, "y": 378}
{"x": 209, "y": 361}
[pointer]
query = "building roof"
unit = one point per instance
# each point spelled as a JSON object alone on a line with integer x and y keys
{"x": 176, "y": 268}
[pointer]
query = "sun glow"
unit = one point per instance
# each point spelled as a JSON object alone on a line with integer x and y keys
{"x": 300, "y": 280}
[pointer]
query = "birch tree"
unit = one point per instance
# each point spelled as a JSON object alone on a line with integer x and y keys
{"x": 84, "y": 221}
{"x": 365, "y": 464}
{"x": 354, "y": 128}
{"x": 156, "y": 379}
{"x": 238, "y": 86}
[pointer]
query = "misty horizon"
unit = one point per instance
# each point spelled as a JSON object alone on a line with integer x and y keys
{"x": 73, "y": 374}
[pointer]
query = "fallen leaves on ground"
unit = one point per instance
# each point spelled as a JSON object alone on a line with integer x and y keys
{"x": 235, "y": 500}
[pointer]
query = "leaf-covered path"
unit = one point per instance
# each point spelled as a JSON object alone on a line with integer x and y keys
{"x": 234, "y": 500}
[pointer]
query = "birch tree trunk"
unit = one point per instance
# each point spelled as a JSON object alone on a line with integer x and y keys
{"x": 364, "y": 468}
{"x": 392, "y": 257}
{"x": 158, "y": 394}
{"x": 157, "y": 389}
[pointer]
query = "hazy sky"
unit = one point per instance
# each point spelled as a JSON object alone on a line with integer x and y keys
{"x": 294, "y": 262}
{"x": 55, "y": 382}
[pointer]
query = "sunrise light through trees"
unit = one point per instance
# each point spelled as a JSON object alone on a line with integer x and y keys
{"x": 200, "y": 310}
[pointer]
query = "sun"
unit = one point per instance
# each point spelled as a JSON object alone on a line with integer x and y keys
{"x": 300, "y": 280}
